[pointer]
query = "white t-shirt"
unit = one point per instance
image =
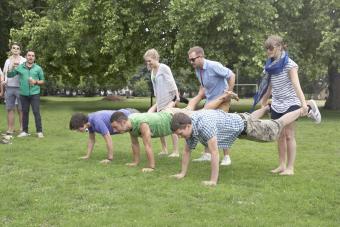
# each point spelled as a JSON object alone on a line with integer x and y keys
{"x": 14, "y": 81}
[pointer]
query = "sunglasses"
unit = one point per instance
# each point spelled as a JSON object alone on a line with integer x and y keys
{"x": 271, "y": 48}
{"x": 15, "y": 48}
{"x": 193, "y": 59}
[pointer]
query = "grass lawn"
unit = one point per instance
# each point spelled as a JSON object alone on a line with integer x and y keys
{"x": 43, "y": 183}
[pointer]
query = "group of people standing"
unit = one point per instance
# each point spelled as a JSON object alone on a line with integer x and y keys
{"x": 212, "y": 126}
{"x": 20, "y": 85}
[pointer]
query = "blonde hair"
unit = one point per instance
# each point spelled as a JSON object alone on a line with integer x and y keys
{"x": 275, "y": 41}
{"x": 198, "y": 50}
{"x": 152, "y": 53}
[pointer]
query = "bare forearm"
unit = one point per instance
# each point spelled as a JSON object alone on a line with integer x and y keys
{"x": 135, "y": 153}
{"x": 231, "y": 82}
{"x": 185, "y": 161}
{"x": 214, "y": 166}
{"x": 109, "y": 146}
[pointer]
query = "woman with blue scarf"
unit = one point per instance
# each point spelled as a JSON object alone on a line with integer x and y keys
{"x": 284, "y": 87}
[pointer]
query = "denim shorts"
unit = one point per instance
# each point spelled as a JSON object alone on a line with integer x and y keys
{"x": 12, "y": 98}
{"x": 276, "y": 115}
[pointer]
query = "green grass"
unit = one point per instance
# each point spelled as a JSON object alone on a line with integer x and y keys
{"x": 42, "y": 182}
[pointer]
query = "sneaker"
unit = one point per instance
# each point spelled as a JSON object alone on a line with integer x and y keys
{"x": 7, "y": 133}
{"x": 40, "y": 135}
{"x": 206, "y": 157}
{"x": 23, "y": 134}
{"x": 174, "y": 155}
{"x": 314, "y": 112}
{"x": 4, "y": 141}
{"x": 163, "y": 153}
{"x": 8, "y": 137}
{"x": 226, "y": 161}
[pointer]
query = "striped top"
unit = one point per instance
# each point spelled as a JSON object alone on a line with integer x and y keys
{"x": 283, "y": 92}
{"x": 164, "y": 86}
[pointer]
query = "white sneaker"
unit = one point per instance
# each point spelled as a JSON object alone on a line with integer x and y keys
{"x": 23, "y": 134}
{"x": 314, "y": 112}
{"x": 206, "y": 157}
{"x": 226, "y": 161}
{"x": 40, "y": 135}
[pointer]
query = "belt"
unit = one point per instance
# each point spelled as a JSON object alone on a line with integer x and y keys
{"x": 244, "y": 132}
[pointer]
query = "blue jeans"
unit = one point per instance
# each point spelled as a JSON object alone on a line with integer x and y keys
{"x": 34, "y": 101}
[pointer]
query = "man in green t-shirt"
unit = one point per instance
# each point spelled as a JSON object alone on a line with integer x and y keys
{"x": 145, "y": 125}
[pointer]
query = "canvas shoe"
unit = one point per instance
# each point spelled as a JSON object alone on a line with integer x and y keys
{"x": 226, "y": 161}
{"x": 314, "y": 112}
{"x": 7, "y": 137}
{"x": 40, "y": 135}
{"x": 4, "y": 141}
{"x": 206, "y": 157}
{"x": 7, "y": 133}
{"x": 23, "y": 134}
{"x": 174, "y": 155}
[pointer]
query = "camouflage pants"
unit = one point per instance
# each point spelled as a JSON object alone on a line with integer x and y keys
{"x": 261, "y": 130}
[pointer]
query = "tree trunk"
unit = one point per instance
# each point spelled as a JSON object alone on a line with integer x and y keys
{"x": 333, "y": 100}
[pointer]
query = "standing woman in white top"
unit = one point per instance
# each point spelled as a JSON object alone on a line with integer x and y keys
{"x": 12, "y": 95}
{"x": 165, "y": 91}
{"x": 287, "y": 96}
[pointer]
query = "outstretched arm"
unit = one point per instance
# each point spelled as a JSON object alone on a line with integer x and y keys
{"x": 135, "y": 151}
{"x": 185, "y": 163}
{"x": 109, "y": 147}
{"x": 146, "y": 136}
{"x": 90, "y": 144}
{"x": 195, "y": 100}
{"x": 296, "y": 84}
{"x": 212, "y": 145}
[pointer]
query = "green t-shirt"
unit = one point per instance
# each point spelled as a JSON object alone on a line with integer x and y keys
{"x": 159, "y": 123}
{"x": 25, "y": 73}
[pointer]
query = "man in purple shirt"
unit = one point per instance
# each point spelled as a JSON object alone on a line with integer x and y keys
{"x": 97, "y": 122}
{"x": 215, "y": 79}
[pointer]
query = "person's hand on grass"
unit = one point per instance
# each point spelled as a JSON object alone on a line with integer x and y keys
{"x": 178, "y": 176}
{"x": 209, "y": 183}
{"x": 147, "y": 170}
{"x": 132, "y": 164}
{"x": 105, "y": 161}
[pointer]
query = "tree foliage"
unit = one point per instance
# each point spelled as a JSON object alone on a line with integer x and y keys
{"x": 106, "y": 39}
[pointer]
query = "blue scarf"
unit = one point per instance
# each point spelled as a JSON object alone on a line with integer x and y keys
{"x": 276, "y": 66}
{"x": 272, "y": 67}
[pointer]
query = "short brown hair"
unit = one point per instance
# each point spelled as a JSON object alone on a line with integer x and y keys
{"x": 180, "y": 121}
{"x": 78, "y": 120}
{"x": 118, "y": 116}
{"x": 197, "y": 49}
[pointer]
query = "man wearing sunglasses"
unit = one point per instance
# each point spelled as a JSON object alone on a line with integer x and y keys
{"x": 215, "y": 79}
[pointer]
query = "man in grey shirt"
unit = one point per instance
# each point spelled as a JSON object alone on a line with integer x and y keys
{"x": 12, "y": 95}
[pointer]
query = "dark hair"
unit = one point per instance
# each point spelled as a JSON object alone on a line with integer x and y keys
{"x": 118, "y": 116}
{"x": 78, "y": 120}
{"x": 180, "y": 121}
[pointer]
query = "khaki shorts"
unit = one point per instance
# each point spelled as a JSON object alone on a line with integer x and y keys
{"x": 261, "y": 130}
{"x": 178, "y": 110}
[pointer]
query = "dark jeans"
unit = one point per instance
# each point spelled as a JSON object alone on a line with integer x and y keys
{"x": 34, "y": 101}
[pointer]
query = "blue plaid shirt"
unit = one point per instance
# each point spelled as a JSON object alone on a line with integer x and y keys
{"x": 209, "y": 123}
